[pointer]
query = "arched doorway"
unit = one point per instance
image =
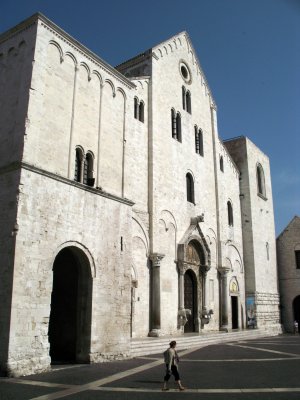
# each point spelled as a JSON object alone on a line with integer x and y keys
{"x": 190, "y": 300}
{"x": 296, "y": 309}
{"x": 71, "y": 303}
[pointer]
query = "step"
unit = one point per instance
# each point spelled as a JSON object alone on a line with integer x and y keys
{"x": 146, "y": 346}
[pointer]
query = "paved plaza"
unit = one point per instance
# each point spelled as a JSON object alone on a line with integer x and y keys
{"x": 263, "y": 369}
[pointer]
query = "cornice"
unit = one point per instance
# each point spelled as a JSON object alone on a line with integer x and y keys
{"x": 32, "y": 168}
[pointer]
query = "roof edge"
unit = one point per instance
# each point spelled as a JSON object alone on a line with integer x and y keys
{"x": 40, "y": 17}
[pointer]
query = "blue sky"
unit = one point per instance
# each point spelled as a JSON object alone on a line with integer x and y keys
{"x": 248, "y": 49}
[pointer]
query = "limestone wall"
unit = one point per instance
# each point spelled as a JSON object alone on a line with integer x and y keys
{"x": 16, "y": 57}
{"x": 59, "y": 215}
{"x": 9, "y": 182}
{"x": 258, "y": 230}
{"x": 90, "y": 105}
{"x": 289, "y": 276}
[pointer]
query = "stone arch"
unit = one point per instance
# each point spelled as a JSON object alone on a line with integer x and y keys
{"x": 83, "y": 64}
{"x": 120, "y": 90}
{"x": 98, "y": 75}
{"x": 57, "y": 45}
{"x": 228, "y": 263}
{"x": 73, "y": 58}
{"x": 84, "y": 249}
{"x": 71, "y": 305}
{"x": 109, "y": 82}
{"x": 141, "y": 231}
{"x": 22, "y": 43}
{"x": 160, "y": 53}
{"x": 234, "y": 254}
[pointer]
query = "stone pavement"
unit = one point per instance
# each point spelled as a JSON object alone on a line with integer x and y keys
{"x": 258, "y": 369}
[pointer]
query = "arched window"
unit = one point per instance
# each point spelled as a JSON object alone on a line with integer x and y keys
{"x": 221, "y": 164}
{"x": 141, "y": 111}
{"x": 190, "y": 188}
{"x": 178, "y": 127}
{"x": 230, "y": 213}
{"x": 260, "y": 176}
{"x": 136, "y": 108}
{"x": 88, "y": 178}
{"x": 183, "y": 97}
{"x": 188, "y": 102}
{"x": 78, "y": 165}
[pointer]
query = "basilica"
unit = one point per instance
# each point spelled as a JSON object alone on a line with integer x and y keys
{"x": 123, "y": 213}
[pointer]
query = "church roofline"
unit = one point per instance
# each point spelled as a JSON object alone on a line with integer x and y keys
{"x": 151, "y": 53}
{"x": 80, "y": 47}
{"x": 292, "y": 221}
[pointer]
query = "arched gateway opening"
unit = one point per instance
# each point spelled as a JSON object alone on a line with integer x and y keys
{"x": 71, "y": 303}
{"x": 296, "y": 309}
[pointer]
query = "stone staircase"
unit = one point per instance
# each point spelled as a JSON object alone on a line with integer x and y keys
{"x": 150, "y": 345}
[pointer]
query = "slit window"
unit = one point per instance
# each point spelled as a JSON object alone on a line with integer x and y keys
{"x": 230, "y": 213}
{"x": 199, "y": 141}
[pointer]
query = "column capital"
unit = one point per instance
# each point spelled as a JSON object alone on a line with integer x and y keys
{"x": 156, "y": 259}
{"x": 223, "y": 271}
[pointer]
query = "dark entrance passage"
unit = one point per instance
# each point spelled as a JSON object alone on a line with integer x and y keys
{"x": 70, "y": 317}
{"x": 296, "y": 309}
{"x": 234, "y": 312}
{"x": 190, "y": 300}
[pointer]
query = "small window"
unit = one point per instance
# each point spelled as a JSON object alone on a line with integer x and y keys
{"x": 221, "y": 164}
{"x": 260, "y": 176}
{"x": 183, "y": 97}
{"x": 173, "y": 123}
{"x": 136, "y": 108}
{"x": 199, "y": 141}
{"x": 188, "y": 102}
{"x": 230, "y": 213}
{"x": 78, "y": 165}
{"x": 268, "y": 251}
{"x": 141, "y": 111}
{"x": 89, "y": 170}
{"x": 297, "y": 256}
{"x": 190, "y": 188}
{"x": 178, "y": 127}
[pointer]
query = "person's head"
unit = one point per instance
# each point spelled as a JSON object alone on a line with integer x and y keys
{"x": 173, "y": 344}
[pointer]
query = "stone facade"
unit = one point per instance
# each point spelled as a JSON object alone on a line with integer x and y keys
{"x": 288, "y": 244}
{"x": 121, "y": 206}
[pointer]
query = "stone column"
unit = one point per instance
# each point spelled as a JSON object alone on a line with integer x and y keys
{"x": 181, "y": 286}
{"x": 205, "y": 269}
{"x": 224, "y": 298}
{"x": 155, "y": 295}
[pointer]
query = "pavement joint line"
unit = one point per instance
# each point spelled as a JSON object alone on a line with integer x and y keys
{"x": 229, "y": 360}
{"x": 266, "y": 350}
{"x": 103, "y": 381}
{"x": 36, "y": 383}
{"x": 187, "y": 390}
